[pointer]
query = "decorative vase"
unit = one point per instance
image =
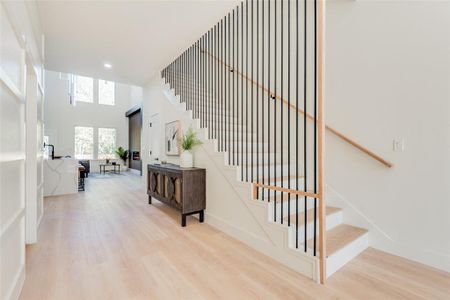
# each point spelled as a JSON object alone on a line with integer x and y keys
{"x": 186, "y": 159}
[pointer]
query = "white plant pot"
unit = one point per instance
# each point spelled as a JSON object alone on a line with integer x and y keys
{"x": 186, "y": 159}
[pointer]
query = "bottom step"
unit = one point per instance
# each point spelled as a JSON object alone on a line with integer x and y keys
{"x": 343, "y": 243}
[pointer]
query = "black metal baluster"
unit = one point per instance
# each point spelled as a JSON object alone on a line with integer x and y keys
{"x": 275, "y": 61}
{"x": 241, "y": 153}
{"x": 211, "y": 85}
{"x": 229, "y": 87}
{"x": 246, "y": 88}
{"x": 216, "y": 83}
{"x": 305, "y": 108}
{"x": 262, "y": 105}
{"x": 281, "y": 108}
{"x": 289, "y": 111}
{"x": 315, "y": 125}
{"x": 205, "y": 83}
{"x": 197, "y": 68}
{"x": 268, "y": 99}
{"x": 222, "y": 82}
{"x": 233, "y": 81}
{"x": 251, "y": 93}
{"x": 296, "y": 127}
{"x": 257, "y": 94}
{"x": 202, "y": 84}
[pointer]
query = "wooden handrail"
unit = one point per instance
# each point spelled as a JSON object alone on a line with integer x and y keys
{"x": 310, "y": 117}
{"x": 257, "y": 185}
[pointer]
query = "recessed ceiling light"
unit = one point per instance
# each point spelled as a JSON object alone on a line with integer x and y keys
{"x": 108, "y": 66}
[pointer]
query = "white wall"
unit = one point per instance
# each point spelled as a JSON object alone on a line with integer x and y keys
{"x": 388, "y": 77}
{"x": 61, "y": 117}
{"x": 21, "y": 53}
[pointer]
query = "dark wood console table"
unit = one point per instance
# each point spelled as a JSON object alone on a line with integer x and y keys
{"x": 182, "y": 188}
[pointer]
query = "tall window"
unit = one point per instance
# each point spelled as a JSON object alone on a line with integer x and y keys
{"x": 105, "y": 92}
{"x": 84, "y": 142}
{"x": 83, "y": 89}
{"x": 106, "y": 143}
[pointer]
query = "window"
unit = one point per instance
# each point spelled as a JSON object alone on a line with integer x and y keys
{"x": 84, "y": 142}
{"x": 83, "y": 89}
{"x": 106, "y": 143}
{"x": 105, "y": 92}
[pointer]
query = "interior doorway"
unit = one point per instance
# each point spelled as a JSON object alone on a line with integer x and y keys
{"x": 134, "y": 138}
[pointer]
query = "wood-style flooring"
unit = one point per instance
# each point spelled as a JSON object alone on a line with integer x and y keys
{"x": 108, "y": 243}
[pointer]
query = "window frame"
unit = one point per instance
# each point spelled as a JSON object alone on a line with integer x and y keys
{"x": 77, "y": 99}
{"x": 93, "y": 155}
{"x": 114, "y": 155}
{"x": 113, "y": 92}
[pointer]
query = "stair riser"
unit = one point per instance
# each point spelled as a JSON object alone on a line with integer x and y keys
{"x": 244, "y": 157}
{"x": 338, "y": 259}
{"x": 235, "y": 149}
{"x": 332, "y": 221}
{"x": 301, "y": 206}
{"x": 269, "y": 172}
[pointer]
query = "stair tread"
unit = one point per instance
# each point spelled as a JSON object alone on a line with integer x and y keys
{"x": 329, "y": 210}
{"x": 340, "y": 236}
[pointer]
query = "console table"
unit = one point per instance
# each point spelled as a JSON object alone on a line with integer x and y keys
{"x": 115, "y": 168}
{"x": 182, "y": 188}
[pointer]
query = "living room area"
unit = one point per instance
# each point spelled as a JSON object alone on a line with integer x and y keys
{"x": 92, "y": 128}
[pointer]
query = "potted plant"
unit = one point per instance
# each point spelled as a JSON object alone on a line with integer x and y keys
{"x": 188, "y": 141}
{"x": 123, "y": 154}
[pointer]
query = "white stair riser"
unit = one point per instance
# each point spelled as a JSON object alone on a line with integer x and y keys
{"x": 332, "y": 221}
{"x": 237, "y": 149}
{"x": 338, "y": 259}
{"x": 244, "y": 157}
{"x": 269, "y": 171}
{"x": 301, "y": 207}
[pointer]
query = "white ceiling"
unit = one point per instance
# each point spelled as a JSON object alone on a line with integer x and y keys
{"x": 137, "y": 37}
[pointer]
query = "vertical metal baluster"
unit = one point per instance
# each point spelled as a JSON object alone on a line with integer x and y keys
{"x": 233, "y": 100}
{"x": 262, "y": 105}
{"x": 251, "y": 92}
{"x": 229, "y": 87}
{"x": 281, "y": 107}
{"x": 315, "y": 125}
{"x": 268, "y": 98}
{"x": 296, "y": 126}
{"x": 222, "y": 81}
{"x": 246, "y": 89}
{"x": 257, "y": 94}
{"x": 197, "y": 68}
{"x": 241, "y": 153}
{"x": 274, "y": 98}
{"x": 305, "y": 108}
{"x": 217, "y": 82}
{"x": 205, "y": 80}
{"x": 193, "y": 81}
{"x": 289, "y": 111}
{"x": 201, "y": 107}
{"x": 210, "y": 85}
{"x": 233, "y": 77}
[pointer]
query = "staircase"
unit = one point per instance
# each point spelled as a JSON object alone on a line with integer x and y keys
{"x": 343, "y": 241}
{"x": 266, "y": 142}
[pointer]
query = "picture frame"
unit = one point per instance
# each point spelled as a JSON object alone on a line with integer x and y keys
{"x": 172, "y": 138}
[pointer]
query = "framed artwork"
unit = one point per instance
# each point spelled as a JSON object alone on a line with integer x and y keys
{"x": 172, "y": 138}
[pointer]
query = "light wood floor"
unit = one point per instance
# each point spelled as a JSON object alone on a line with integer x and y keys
{"x": 108, "y": 243}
